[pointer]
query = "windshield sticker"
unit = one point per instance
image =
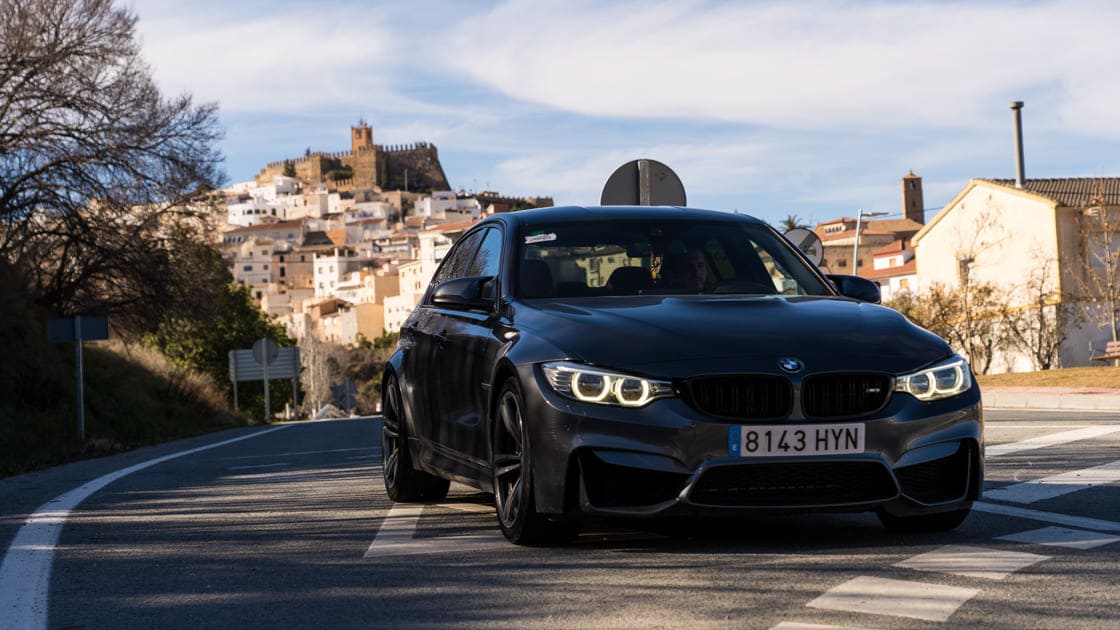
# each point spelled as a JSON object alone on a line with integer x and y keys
{"x": 540, "y": 238}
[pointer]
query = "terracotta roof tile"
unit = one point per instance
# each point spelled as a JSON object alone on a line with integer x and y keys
{"x": 1071, "y": 192}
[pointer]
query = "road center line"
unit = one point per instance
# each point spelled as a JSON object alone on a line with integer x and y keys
{"x": 26, "y": 571}
{"x": 293, "y": 453}
{"x": 1053, "y": 439}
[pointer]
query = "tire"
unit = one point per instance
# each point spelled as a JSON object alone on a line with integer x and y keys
{"x": 923, "y": 523}
{"x": 403, "y": 483}
{"x": 512, "y": 469}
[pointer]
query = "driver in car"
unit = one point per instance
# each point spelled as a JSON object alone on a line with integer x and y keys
{"x": 688, "y": 271}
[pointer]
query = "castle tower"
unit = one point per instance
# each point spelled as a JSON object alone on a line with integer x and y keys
{"x": 912, "y": 203}
{"x": 361, "y": 137}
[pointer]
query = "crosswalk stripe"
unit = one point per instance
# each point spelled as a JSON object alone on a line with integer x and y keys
{"x": 978, "y": 562}
{"x": 797, "y": 625}
{"x": 1062, "y": 537}
{"x": 897, "y": 598}
{"x": 1057, "y": 485}
{"x": 1082, "y": 522}
{"x": 1053, "y": 439}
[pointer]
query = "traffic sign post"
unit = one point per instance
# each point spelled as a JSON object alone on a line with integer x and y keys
{"x": 264, "y": 362}
{"x": 78, "y": 329}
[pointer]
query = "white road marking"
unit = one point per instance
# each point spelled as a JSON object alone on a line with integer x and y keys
{"x": 978, "y": 562}
{"x": 395, "y": 538}
{"x": 1053, "y": 439}
{"x": 1082, "y": 522}
{"x": 26, "y": 571}
{"x": 1062, "y": 537}
{"x": 1057, "y": 485}
{"x": 474, "y": 508}
{"x": 293, "y": 453}
{"x": 257, "y": 466}
{"x": 897, "y": 598}
{"x": 800, "y": 626}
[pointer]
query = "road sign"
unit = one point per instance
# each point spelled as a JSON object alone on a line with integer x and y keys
{"x": 266, "y": 361}
{"x": 78, "y": 328}
{"x": 808, "y": 242}
{"x": 89, "y": 327}
{"x": 265, "y": 351}
{"x": 643, "y": 183}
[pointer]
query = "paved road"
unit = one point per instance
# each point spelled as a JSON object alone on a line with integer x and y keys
{"x": 292, "y": 528}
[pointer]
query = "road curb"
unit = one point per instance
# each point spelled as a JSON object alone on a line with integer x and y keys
{"x": 1068, "y": 398}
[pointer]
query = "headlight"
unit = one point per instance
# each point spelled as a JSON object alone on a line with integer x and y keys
{"x": 940, "y": 381}
{"x": 592, "y": 385}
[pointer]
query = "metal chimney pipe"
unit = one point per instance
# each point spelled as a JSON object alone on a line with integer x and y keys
{"x": 1017, "y": 117}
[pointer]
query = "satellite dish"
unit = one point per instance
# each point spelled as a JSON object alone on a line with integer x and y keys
{"x": 808, "y": 242}
{"x": 643, "y": 183}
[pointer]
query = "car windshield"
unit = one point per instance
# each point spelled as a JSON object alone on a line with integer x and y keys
{"x": 660, "y": 257}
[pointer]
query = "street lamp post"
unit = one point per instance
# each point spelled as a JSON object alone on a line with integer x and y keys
{"x": 855, "y": 250}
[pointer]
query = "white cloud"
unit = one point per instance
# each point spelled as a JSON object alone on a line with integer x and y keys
{"x": 286, "y": 60}
{"x": 798, "y": 64}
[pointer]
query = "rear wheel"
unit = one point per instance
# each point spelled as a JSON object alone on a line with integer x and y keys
{"x": 402, "y": 481}
{"x": 512, "y": 468}
{"x": 940, "y": 522}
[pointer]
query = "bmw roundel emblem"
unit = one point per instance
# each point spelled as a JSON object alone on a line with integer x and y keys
{"x": 791, "y": 365}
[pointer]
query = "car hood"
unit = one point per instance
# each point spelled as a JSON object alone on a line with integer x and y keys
{"x": 731, "y": 333}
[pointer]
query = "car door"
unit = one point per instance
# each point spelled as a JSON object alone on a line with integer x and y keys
{"x": 466, "y": 357}
{"x": 425, "y": 331}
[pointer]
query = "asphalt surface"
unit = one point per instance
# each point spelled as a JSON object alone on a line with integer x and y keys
{"x": 292, "y": 528}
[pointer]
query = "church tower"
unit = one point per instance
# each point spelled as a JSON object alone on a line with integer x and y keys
{"x": 361, "y": 137}
{"x": 912, "y": 203}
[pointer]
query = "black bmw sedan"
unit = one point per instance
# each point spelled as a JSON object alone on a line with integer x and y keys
{"x": 663, "y": 361}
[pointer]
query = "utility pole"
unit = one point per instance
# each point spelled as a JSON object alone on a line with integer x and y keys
{"x": 855, "y": 249}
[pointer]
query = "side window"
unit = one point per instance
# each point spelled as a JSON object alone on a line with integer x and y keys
{"x": 487, "y": 262}
{"x": 457, "y": 263}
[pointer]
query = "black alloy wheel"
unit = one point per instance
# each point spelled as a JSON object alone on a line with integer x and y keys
{"x": 512, "y": 469}
{"x": 402, "y": 481}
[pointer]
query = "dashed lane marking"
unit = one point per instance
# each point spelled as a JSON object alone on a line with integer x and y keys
{"x": 897, "y": 598}
{"x": 1062, "y": 537}
{"x": 1057, "y": 485}
{"x": 1082, "y": 522}
{"x": 977, "y": 562}
{"x": 396, "y": 536}
{"x": 1053, "y": 439}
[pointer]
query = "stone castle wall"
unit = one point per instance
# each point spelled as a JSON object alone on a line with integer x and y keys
{"x": 379, "y": 167}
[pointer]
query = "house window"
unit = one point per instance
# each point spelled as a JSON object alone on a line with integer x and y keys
{"x": 281, "y": 258}
{"x": 904, "y": 283}
{"x": 266, "y": 267}
{"x": 247, "y": 268}
{"x": 964, "y": 266}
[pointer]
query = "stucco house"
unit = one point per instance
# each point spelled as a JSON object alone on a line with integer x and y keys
{"x": 1047, "y": 231}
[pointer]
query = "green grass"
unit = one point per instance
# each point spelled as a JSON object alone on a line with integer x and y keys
{"x": 1103, "y": 376}
{"x": 133, "y": 396}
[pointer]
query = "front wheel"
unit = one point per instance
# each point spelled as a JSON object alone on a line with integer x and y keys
{"x": 402, "y": 481}
{"x": 511, "y": 464}
{"x": 923, "y": 523}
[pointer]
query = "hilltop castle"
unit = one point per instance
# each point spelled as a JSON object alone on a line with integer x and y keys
{"x": 411, "y": 167}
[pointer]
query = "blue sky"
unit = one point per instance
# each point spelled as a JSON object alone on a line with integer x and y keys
{"x": 769, "y": 108}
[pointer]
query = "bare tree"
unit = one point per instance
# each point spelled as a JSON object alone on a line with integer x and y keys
{"x": 1097, "y": 281}
{"x": 1041, "y": 325}
{"x": 96, "y": 166}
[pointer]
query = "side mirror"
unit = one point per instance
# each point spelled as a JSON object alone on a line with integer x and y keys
{"x": 861, "y": 289}
{"x": 465, "y": 293}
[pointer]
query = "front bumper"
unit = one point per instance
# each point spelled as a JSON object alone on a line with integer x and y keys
{"x": 667, "y": 458}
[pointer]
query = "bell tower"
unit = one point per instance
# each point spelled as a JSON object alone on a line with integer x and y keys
{"x": 912, "y": 202}
{"x": 361, "y": 137}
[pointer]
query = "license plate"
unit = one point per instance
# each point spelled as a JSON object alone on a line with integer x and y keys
{"x": 780, "y": 440}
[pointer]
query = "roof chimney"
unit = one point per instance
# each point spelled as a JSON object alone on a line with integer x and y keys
{"x": 1017, "y": 117}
